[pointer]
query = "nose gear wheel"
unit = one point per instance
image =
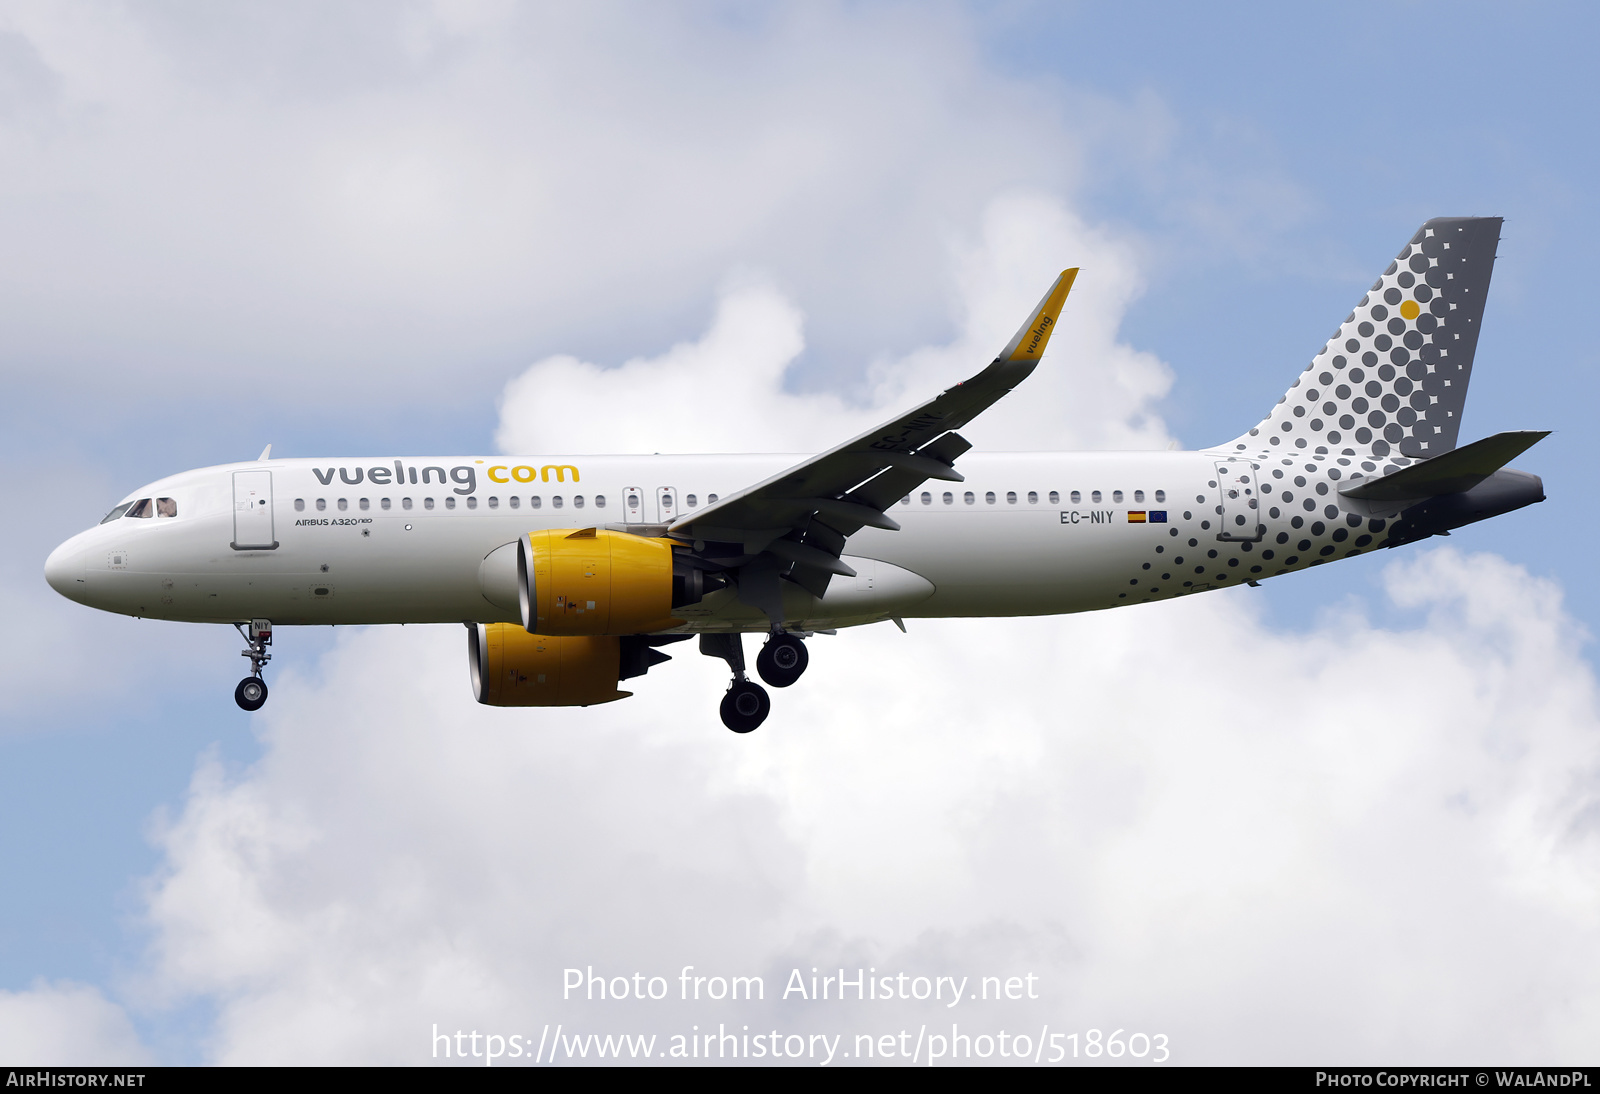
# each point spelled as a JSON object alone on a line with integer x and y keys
{"x": 251, "y": 694}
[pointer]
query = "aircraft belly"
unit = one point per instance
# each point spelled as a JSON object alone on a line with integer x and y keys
{"x": 1012, "y": 563}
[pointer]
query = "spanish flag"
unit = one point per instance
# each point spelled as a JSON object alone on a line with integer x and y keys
{"x": 1136, "y": 516}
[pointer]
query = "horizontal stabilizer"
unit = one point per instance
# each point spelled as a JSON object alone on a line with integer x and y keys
{"x": 1452, "y": 473}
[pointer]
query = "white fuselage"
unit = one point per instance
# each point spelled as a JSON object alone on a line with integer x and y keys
{"x": 341, "y": 541}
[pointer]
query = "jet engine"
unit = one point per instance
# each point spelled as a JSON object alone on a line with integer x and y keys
{"x": 593, "y": 581}
{"x": 512, "y": 668}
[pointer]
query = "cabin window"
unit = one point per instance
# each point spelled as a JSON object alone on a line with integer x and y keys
{"x": 383, "y": 504}
{"x": 1161, "y": 495}
{"x": 692, "y": 500}
{"x": 949, "y": 498}
{"x": 556, "y": 501}
{"x": 1094, "y": 496}
{"x": 449, "y": 503}
{"x": 405, "y": 503}
{"x": 1055, "y": 497}
{"x": 969, "y": 497}
{"x": 1138, "y": 495}
{"x": 711, "y": 499}
{"x": 514, "y": 501}
{"x": 903, "y": 501}
{"x": 1077, "y": 497}
{"x": 494, "y": 502}
{"x": 344, "y": 504}
{"x": 577, "y": 501}
{"x": 427, "y": 503}
{"x": 322, "y": 504}
{"x": 115, "y": 513}
{"x": 472, "y": 501}
{"x": 299, "y": 505}
{"x": 166, "y": 507}
{"x": 364, "y": 504}
{"x": 599, "y": 501}
{"x": 1011, "y": 497}
{"x": 535, "y": 501}
{"x": 988, "y": 497}
{"x": 1116, "y": 496}
{"x": 1033, "y": 497}
{"x": 927, "y": 498}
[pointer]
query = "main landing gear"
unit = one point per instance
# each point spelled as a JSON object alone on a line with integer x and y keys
{"x": 251, "y": 694}
{"x": 745, "y": 706}
{"x": 782, "y": 660}
{"x": 780, "y": 663}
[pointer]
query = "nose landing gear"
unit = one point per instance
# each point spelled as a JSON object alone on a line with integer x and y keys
{"x": 251, "y": 694}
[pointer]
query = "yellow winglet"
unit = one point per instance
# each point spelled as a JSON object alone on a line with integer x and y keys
{"x": 1030, "y": 341}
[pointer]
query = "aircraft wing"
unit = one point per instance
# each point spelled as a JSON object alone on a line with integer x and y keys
{"x": 795, "y": 523}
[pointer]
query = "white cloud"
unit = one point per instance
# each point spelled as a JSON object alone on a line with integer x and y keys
{"x": 730, "y": 390}
{"x": 400, "y": 201}
{"x": 66, "y": 1024}
{"x": 1354, "y": 844}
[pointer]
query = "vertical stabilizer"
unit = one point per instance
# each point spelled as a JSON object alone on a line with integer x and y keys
{"x": 1393, "y": 378}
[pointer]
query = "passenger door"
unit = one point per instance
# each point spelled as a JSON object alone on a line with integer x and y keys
{"x": 252, "y": 511}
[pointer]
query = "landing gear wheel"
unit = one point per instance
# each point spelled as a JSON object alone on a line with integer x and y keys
{"x": 251, "y": 694}
{"x": 745, "y": 706}
{"x": 782, "y": 660}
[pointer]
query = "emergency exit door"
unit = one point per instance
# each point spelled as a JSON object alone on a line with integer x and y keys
{"x": 633, "y": 505}
{"x": 666, "y": 504}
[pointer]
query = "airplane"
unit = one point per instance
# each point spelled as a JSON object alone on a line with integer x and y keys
{"x": 571, "y": 573}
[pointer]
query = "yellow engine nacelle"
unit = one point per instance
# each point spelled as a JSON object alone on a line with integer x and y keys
{"x": 512, "y": 668}
{"x": 591, "y": 581}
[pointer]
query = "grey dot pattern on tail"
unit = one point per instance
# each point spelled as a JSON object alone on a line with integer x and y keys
{"x": 1393, "y": 378}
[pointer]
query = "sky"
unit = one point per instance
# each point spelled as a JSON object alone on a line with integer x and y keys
{"x": 1349, "y": 817}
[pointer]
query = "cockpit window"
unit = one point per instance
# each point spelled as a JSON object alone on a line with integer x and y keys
{"x": 141, "y": 508}
{"x": 115, "y": 513}
{"x": 166, "y": 507}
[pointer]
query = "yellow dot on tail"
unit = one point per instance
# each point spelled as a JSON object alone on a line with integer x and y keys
{"x": 1410, "y": 310}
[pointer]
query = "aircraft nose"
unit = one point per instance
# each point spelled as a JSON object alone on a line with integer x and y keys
{"x": 64, "y": 570}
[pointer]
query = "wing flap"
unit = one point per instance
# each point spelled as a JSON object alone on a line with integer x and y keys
{"x": 800, "y": 518}
{"x": 888, "y": 487}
